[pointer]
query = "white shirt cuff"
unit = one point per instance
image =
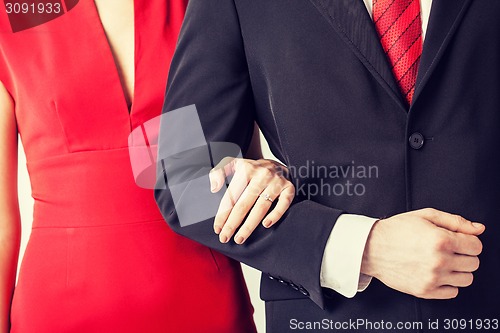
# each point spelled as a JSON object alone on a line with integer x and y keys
{"x": 341, "y": 266}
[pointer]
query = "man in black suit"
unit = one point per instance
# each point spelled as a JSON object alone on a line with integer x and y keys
{"x": 408, "y": 88}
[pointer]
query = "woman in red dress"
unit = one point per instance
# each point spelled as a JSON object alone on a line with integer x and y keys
{"x": 100, "y": 257}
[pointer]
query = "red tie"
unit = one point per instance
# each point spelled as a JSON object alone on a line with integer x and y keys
{"x": 399, "y": 26}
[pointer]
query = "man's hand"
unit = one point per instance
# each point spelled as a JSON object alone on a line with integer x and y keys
{"x": 425, "y": 253}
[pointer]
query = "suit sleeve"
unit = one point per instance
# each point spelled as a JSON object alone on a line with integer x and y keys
{"x": 209, "y": 70}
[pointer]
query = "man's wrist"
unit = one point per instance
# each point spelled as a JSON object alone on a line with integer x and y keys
{"x": 368, "y": 263}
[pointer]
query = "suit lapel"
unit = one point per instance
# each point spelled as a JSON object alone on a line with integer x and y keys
{"x": 350, "y": 19}
{"x": 446, "y": 16}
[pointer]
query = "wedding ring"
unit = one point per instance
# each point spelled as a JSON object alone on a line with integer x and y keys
{"x": 266, "y": 197}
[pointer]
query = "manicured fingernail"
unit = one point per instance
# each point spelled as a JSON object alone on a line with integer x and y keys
{"x": 267, "y": 223}
{"x": 223, "y": 239}
{"x": 214, "y": 186}
{"x": 477, "y": 225}
{"x": 239, "y": 240}
{"x": 217, "y": 229}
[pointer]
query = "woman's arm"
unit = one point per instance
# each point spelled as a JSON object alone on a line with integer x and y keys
{"x": 255, "y": 184}
{"x": 10, "y": 221}
{"x": 248, "y": 200}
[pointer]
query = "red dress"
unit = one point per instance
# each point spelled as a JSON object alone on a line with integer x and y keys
{"x": 100, "y": 257}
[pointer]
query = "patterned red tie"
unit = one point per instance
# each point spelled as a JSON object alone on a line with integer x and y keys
{"x": 399, "y": 26}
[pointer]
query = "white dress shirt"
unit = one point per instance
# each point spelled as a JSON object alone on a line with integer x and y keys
{"x": 341, "y": 266}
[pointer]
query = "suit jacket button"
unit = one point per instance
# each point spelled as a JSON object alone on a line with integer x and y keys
{"x": 283, "y": 281}
{"x": 271, "y": 277}
{"x": 417, "y": 141}
{"x": 304, "y": 291}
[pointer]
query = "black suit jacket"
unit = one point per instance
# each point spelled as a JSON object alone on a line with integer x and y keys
{"x": 314, "y": 76}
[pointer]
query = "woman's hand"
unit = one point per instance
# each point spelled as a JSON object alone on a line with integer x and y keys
{"x": 252, "y": 190}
